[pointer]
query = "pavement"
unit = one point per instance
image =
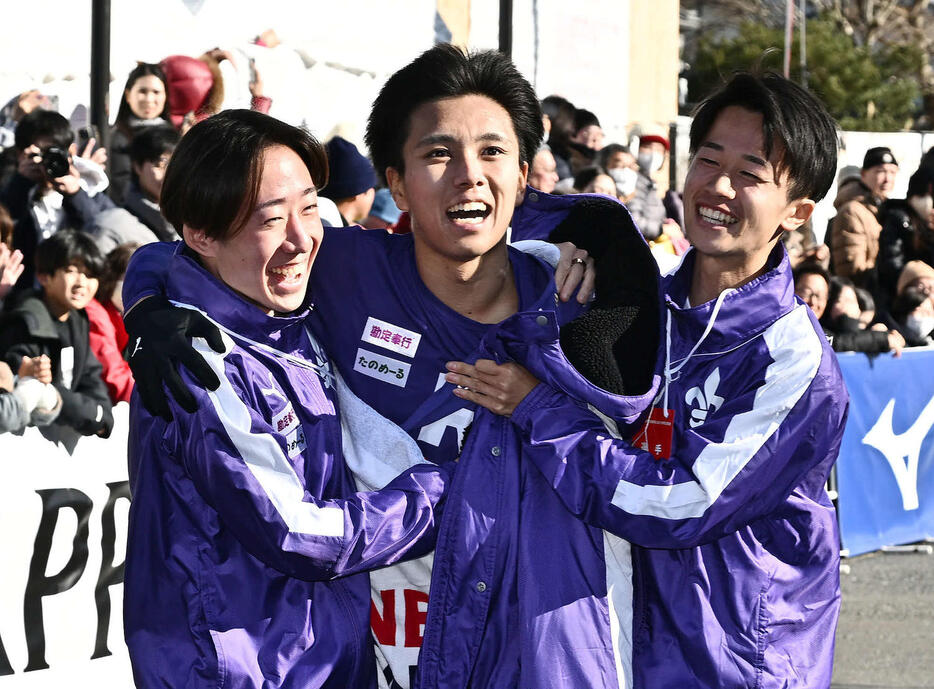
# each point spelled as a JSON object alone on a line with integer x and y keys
{"x": 885, "y": 638}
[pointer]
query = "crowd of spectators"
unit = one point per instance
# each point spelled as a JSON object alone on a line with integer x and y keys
{"x": 871, "y": 282}
{"x": 70, "y": 220}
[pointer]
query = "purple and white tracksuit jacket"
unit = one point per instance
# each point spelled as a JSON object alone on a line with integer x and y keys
{"x": 248, "y": 543}
{"x": 714, "y": 565}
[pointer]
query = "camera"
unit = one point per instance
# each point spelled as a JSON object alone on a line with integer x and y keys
{"x": 55, "y": 162}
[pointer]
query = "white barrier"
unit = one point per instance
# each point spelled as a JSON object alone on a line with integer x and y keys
{"x": 63, "y": 526}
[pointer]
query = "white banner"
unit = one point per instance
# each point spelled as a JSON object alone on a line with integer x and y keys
{"x": 63, "y": 526}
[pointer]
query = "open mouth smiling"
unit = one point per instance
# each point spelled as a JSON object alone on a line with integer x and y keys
{"x": 470, "y": 213}
{"x": 715, "y": 216}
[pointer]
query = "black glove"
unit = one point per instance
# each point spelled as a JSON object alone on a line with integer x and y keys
{"x": 159, "y": 341}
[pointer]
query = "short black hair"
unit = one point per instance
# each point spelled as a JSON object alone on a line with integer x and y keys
{"x": 113, "y": 270}
{"x": 837, "y": 284}
{"x": 149, "y": 144}
{"x": 213, "y": 179}
{"x": 793, "y": 119}
{"x": 584, "y": 118}
{"x": 142, "y": 69}
{"x": 68, "y": 248}
{"x": 608, "y": 151}
{"x": 864, "y": 299}
{"x": 43, "y": 124}
{"x": 811, "y": 268}
{"x": 561, "y": 113}
{"x": 921, "y": 182}
{"x": 446, "y": 71}
{"x": 587, "y": 175}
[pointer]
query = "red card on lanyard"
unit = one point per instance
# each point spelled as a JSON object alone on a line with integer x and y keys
{"x": 657, "y": 433}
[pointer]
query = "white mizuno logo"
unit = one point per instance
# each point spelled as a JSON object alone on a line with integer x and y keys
{"x": 138, "y": 346}
{"x": 272, "y": 390}
{"x": 707, "y": 399}
{"x": 902, "y": 451}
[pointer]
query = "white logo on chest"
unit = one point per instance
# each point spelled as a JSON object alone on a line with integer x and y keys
{"x": 707, "y": 399}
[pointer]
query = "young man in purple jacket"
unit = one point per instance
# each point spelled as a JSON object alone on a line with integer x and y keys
{"x": 248, "y": 543}
{"x": 735, "y": 550}
{"x": 453, "y": 135}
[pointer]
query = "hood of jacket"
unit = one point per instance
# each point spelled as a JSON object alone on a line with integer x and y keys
{"x": 612, "y": 354}
{"x": 31, "y": 309}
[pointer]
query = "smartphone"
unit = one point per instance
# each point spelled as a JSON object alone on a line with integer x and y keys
{"x": 83, "y": 135}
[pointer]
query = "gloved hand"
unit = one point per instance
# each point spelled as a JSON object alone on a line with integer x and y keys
{"x": 159, "y": 341}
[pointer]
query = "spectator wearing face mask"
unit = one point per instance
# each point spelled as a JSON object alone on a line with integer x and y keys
{"x": 620, "y": 164}
{"x": 587, "y": 130}
{"x": 646, "y": 205}
{"x": 907, "y": 232}
{"x": 912, "y": 310}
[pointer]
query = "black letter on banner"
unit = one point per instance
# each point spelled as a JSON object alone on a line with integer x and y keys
{"x": 5, "y": 667}
{"x": 39, "y": 585}
{"x": 110, "y": 574}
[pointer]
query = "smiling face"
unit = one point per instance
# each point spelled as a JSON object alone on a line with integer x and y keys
{"x": 462, "y": 178}
{"x": 268, "y": 261}
{"x": 67, "y": 288}
{"x": 735, "y": 202}
{"x": 146, "y": 97}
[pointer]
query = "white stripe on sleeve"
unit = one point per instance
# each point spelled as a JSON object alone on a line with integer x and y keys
{"x": 796, "y": 352}
{"x": 265, "y": 459}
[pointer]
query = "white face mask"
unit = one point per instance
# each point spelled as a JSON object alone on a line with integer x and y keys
{"x": 651, "y": 161}
{"x": 625, "y": 178}
{"x": 921, "y": 325}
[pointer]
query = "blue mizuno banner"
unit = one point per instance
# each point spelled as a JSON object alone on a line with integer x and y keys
{"x": 885, "y": 473}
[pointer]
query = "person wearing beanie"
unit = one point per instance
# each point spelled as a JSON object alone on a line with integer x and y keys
{"x": 853, "y": 234}
{"x": 916, "y": 274}
{"x": 351, "y": 180}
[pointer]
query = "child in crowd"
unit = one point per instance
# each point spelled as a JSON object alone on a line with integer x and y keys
{"x": 51, "y": 321}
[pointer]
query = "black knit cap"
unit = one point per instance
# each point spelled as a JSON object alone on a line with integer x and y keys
{"x": 351, "y": 172}
{"x": 880, "y": 155}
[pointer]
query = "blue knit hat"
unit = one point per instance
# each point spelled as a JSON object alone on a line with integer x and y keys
{"x": 385, "y": 208}
{"x": 350, "y": 173}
